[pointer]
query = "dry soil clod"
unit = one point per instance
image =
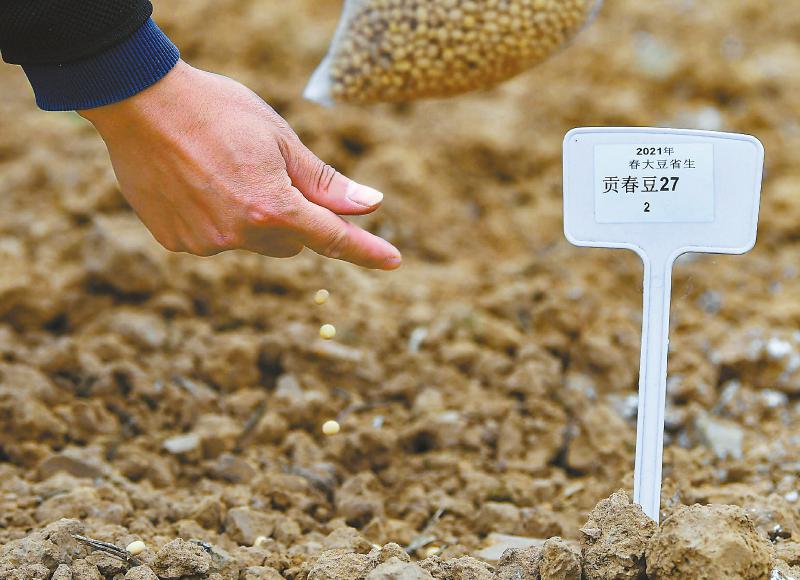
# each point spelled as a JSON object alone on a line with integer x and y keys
{"x": 709, "y": 542}
{"x": 615, "y": 538}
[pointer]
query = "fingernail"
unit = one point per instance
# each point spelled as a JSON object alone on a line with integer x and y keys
{"x": 363, "y": 195}
{"x": 393, "y": 262}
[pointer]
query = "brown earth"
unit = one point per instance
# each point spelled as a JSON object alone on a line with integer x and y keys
{"x": 488, "y": 386}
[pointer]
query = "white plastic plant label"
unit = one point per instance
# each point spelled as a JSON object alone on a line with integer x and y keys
{"x": 660, "y": 193}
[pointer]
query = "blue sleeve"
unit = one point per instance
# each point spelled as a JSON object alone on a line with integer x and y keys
{"x": 108, "y": 77}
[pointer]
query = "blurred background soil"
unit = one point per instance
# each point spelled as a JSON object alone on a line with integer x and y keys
{"x": 487, "y": 386}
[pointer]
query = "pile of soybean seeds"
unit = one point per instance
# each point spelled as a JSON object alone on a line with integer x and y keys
{"x": 402, "y": 50}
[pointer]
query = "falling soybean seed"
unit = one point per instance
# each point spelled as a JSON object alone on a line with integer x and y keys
{"x": 136, "y": 547}
{"x": 327, "y": 331}
{"x": 321, "y": 297}
{"x": 331, "y": 427}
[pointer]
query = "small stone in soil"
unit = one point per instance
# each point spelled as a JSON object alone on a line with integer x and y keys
{"x": 327, "y": 331}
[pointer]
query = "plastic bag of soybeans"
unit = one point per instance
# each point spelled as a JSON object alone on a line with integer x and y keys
{"x": 404, "y": 50}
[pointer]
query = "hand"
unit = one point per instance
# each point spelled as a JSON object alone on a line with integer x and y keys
{"x": 208, "y": 166}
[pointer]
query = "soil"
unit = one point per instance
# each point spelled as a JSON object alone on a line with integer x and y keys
{"x": 487, "y": 387}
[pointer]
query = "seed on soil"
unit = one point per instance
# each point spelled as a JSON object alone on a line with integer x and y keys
{"x": 327, "y": 331}
{"x": 331, "y": 427}
{"x": 321, "y": 297}
{"x": 136, "y": 547}
{"x": 260, "y": 541}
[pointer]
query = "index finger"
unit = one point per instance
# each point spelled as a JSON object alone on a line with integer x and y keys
{"x": 329, "y": 235}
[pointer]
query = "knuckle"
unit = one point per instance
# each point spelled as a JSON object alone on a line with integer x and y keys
{"x": 336, "y": 244}
{"x": 277, "y": 215}
{"x": 227, "y": 240}
{"x": 323, "y": 175}
{"x": 260, "y": 215}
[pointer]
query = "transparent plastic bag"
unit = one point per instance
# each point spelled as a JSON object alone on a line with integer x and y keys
{"x": 404, "y": 50}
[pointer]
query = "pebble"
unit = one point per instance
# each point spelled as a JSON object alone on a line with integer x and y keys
{"x": 327, "y": 331}
{"x": 724, "y": 438}
{"x": 777, "y": 348}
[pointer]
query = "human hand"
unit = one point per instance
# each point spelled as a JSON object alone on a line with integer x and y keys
{"x": 208, "y": 166}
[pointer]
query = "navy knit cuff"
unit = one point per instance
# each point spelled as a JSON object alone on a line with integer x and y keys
{"x": 111, "y": 76}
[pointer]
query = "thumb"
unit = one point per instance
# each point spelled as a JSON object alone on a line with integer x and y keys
{"x": 323, "y": 185}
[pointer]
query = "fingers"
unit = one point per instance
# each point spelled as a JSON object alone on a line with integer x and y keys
{"x": 329, "y": 235}
{"x": 323, "y": 185}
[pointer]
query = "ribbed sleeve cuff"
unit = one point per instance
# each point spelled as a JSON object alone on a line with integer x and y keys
{"x": 111, "y": 76}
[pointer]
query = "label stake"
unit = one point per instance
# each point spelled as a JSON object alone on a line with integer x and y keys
{"x": 660, "y": 193}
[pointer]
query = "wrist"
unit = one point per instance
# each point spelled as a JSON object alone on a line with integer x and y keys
{"x": 165, "y": 93}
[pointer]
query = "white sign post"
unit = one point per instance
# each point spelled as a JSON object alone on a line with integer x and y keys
{"x": 660, "y": 193}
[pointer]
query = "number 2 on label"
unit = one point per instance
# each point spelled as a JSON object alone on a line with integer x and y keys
{"x": 647, "y": 207}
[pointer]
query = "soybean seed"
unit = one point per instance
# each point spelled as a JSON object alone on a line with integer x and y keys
{"x": 331, "y": 427}
{"x": 327, "y": 331}
{"x": 321, "y": 297}
{"x": 136, "y": 547}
